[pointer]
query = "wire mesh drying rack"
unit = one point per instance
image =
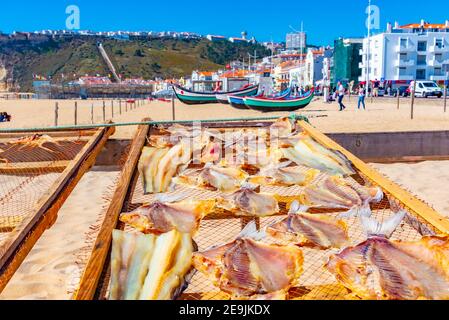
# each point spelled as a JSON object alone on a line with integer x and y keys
{"x": 221, "y": 227}
{"x": 38, "y": 171}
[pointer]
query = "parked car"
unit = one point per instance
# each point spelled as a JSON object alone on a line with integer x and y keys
{"x": 404, "y": 91}
{"x": 427, "y": 89}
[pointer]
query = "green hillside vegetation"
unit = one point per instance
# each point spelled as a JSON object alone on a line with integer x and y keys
{"x": 160, "y": 58}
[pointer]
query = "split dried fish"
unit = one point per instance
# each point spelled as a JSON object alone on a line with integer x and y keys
{"x": 379, "y": 268}
{"x": 310, "y": 153}
{"x": 247, "y": 268}
{"x": 157, "y": 167}
{"x": 285, "y": 175}
{"x": 313, "y": 230}
{"x": 249, "y": 201}
{"x": 160, "y": 217}
{"x": 150, "y": 267}
{"x": 336, "y": 192}
{"x": 216, "y": 177}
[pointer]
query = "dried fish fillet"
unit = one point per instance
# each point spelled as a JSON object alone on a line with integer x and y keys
{"x": 157, "y": 167}
{"x": 379, "y": 268}
{"x": 310, "y": 153}
{"x": 285, "y": 175}
{"x": 249, "y": 201}
{"x": 336, "y": 192}
{"x": 150, "y": 267}
{"x": 282, "y": 127}
{"x": 159, "y": 217}
{"x": 247, "y": 268}
{"x": 315, "y": 230}
{"x": 216, "y": 177}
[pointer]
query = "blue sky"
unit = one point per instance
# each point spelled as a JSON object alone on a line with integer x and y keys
{"x": 324, "y": 20}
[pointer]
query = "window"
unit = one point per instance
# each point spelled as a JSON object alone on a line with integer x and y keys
{"x": 438, "y": 72}
{"x": 439, "y": 43}
{"x": 421, "y": 74}
{"x": 403, "y": 57}
{"x": 421, "y": 60}
{"x": 422, "y": 45}
{"x": 430, "y": 85}
{"x": 402, "y": 71}
{"x": 439, "y": 57}
{"x": 404, "y": 43}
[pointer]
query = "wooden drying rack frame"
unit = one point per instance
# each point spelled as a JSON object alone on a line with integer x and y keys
{"x": 22, "y": 239}
{"x": 97, "y": 261}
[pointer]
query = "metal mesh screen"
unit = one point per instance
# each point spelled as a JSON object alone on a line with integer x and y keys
{"x": 30, "y": 164}
{"x": 221, "y": 227}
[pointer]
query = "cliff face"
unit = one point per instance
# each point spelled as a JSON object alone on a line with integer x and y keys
{"x": 68, "y": 59}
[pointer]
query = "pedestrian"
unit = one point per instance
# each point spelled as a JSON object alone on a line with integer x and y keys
{"x": 376, "y": 88}
{"x": 341, "y": 95}
{"x": 361, "y": 97}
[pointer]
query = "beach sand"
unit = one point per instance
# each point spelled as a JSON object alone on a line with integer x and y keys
{"x": 50, "y": 270}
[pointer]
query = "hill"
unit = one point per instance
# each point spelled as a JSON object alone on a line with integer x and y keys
{"x": 74, "y": 57}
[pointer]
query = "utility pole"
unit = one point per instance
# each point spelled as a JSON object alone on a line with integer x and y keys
{"x": 368, "y": 48}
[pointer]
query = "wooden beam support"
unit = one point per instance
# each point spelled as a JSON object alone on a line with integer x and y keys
{"x": 97, "y": 259}
{"x": 33, "y": 167}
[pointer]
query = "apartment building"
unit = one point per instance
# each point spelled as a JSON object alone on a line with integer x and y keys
{"x": 404, "y": 53}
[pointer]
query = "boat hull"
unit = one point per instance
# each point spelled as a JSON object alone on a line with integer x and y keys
{"x": 195, "y": 98}
{"x": 237, "y": 102}
{"x": 272, "y": 105}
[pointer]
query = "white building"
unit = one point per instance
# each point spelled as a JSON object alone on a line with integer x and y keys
{"x": 314, "y": 65}
{"x": 296, "y": 40}
{"x": 403, "y": 53}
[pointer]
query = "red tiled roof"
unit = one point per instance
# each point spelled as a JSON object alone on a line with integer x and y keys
{"x": 426, "y": 26}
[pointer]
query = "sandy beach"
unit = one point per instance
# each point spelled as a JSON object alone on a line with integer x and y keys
{"x": 50, "y": 270}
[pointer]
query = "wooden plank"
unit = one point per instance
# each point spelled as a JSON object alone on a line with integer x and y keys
{"x": 418, "y": 207}
{"x": 20, "y": 242}
{"x": 97, "y": 259}
{"x": 33, "y": 167}
{"x": 53, "y": 133}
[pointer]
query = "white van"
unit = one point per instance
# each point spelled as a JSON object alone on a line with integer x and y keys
{"x": 427, "y": 89}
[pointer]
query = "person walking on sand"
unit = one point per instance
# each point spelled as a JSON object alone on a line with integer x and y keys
{"x": 341, "y": 95}
{"x": 361, "y": 97}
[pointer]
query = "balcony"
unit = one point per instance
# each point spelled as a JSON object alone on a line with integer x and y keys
{"x": 402, "y": 49}
{"x": 435, "y": 63}
{"x": 438, "y": 49}
{"x": 404, "y": 63}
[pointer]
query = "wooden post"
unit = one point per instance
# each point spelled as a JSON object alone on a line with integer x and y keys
{"x": 120, "y": 107}
{"x": 92, "y": 113}
{"x": 56, "y": 113}
{"x": 398, "y": 97}
{"x": 104, "y": 111}
{"x": 445, "y": 95}
{"x": 76, "y": 113}
{"x": 126, "y": 106}
{"x": 112, "y": 108}
{"x": 173, "y": 108}
{"x": 413, "y": 100}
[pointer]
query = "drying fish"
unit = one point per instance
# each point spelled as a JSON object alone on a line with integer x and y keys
{"x": 216, "y": 177}
{"x": 379, "y": 268}
{"x": 335, "y": 192}
{"x": 150, "y": 267}
{"x": 315, "y": 230}
{"x": 310, "y": 153}
{"x": 285, "y": 175}
{"x": 157, "y": 167}
{"x": 248, "y": 268}
{"x": 211, "y": 152}
{"x": 34, "y": 141}
{"x": 283, "y": 127}
{"x": 160, "y": 217}
{"x": 249, "y": 201}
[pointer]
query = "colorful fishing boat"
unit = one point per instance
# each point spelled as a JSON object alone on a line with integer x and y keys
{"x": 191, "y": 97}
{"x": 239, "y": 103}
{"x": 272, "y": 105}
